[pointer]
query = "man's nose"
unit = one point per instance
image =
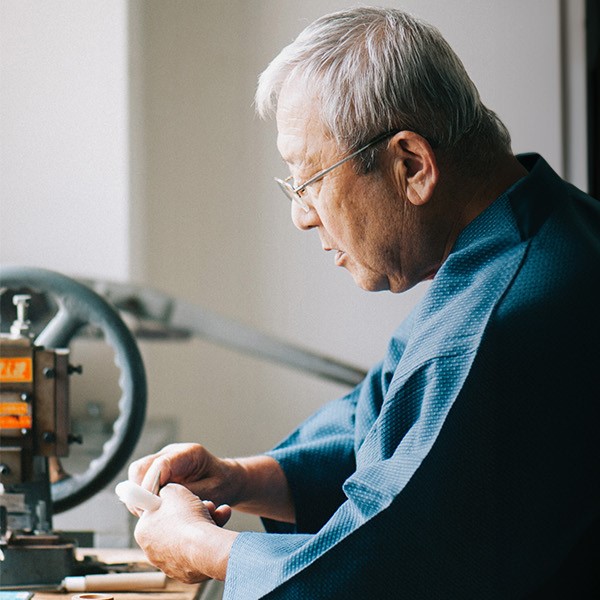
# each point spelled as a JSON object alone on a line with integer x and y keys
{"x": 304, "y": 220}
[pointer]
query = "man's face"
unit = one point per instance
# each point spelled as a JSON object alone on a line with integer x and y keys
{"x": 364, "y": 218}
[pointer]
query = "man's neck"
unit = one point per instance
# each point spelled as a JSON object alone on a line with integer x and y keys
{"x": 471, "y": 198}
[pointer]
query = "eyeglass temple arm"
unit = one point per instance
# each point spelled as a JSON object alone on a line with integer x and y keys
{"x": 322, "y": 174}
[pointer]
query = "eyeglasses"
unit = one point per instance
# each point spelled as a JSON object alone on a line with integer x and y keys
{"x": 294, "y": 193}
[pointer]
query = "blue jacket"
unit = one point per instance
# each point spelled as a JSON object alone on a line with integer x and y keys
{"x": 467, "y": 464}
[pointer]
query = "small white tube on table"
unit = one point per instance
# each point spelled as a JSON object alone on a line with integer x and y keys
{"x": 115, "y": 582}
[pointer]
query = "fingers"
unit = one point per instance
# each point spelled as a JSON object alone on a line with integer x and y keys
{"x": 180, "y": 463}
{"x": 190, "y": 465}
{"x": 175, "y": 462}
{"x": 145, "y": 469}
{"x": 137, "y": 469}
{"x": 157, "y": 475}
{"x": 151, "y": 473}
{"x": 207, "y": 509}
{"x": 220, "y": 515}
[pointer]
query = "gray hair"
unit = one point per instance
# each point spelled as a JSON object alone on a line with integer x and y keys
{"x": 377, "y": 69}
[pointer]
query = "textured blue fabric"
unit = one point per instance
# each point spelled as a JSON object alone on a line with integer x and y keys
{"x": 467, "y": 464}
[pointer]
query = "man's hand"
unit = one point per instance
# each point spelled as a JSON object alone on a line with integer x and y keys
{"x": 183, "y": 537}
{"x": 256, "y": 485}
{"x": 194, "y": 467}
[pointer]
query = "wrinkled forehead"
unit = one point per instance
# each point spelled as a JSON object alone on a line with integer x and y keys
{"x": 301, "y": 136}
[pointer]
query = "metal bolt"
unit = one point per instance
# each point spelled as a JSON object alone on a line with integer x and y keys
{"x": 49, "y": 437}
{"x": 41, "y": 512}
{"x": 3, "y": 520}
{"x": 4, "y": 469}
{"x": 75, "y": 438}
{"x": 20, "y": 326}
{"x": 49, "y": 373}
{"x": 21, "y": 301}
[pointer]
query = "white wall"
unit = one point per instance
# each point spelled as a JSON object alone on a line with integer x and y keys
{"x": 172, "y": 186}
{"x": 64, "y": 182}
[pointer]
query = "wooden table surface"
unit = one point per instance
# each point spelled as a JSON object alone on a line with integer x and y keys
{"x": 173, "y": 591}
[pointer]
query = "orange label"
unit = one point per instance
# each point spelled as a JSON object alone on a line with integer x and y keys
{"x": 13, "y": 408}
{"x": 16, "y": 370}
{"x": 15, "y": 422}
{"x": 14, "y": 415}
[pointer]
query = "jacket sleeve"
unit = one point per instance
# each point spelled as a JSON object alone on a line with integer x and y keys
{"x": 317, "y": 458}
{"x": 321, "y": 453}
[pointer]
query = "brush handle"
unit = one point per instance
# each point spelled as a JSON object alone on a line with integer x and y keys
{"x": 115, "y": 582}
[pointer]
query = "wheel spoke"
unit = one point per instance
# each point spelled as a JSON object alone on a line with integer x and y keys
{"x": 60, "y": 330}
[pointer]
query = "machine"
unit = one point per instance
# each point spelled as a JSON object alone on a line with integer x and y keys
{"x": 35, "y": 425}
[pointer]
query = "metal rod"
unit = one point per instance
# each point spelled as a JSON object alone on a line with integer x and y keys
{"x": 181, "y": 319}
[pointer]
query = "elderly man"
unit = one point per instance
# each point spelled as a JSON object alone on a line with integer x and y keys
{"x": 467, "y": 464}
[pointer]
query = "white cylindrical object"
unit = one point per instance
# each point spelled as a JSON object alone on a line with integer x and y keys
{"x": 115, "y": 582}
{"x": 134, "y": 495}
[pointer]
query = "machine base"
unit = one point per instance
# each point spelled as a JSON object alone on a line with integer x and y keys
{"x": 45, "y": 562}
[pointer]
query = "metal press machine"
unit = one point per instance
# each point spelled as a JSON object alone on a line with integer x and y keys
{"x": 36, "y": 425}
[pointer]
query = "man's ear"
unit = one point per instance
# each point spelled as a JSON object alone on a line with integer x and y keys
{"x": 415, "y": 166}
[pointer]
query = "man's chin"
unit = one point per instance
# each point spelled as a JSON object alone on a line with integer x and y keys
{"x": 372, "y": 282}
{"x": 369, "y": 282}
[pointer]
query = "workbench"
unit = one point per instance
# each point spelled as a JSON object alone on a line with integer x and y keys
{"x": 173, "y": 591}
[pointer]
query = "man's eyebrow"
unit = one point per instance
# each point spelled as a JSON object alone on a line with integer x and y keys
{"x": 292, "y": 163}
{"x": 287, "y": 160}
{"x": 302, "y": 162}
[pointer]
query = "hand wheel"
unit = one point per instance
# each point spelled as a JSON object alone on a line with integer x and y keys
{"x": 78, "y": 306}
